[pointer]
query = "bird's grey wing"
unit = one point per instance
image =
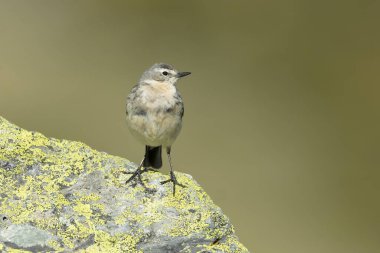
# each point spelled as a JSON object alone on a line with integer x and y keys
{"x": 134, "y": 106}
{"x": 182, "y": 111}
{"x": 179, "y": 104}
{"x": 130, "y": 99}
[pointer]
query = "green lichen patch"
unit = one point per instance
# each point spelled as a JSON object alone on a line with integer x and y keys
{"x": 78, "y": 196}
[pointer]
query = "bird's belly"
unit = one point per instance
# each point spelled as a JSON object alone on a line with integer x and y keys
{"x": 155, "y": 129}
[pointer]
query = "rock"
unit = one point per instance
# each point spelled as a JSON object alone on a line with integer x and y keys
{"x": 63, "y": 196}
{"x": 26, "y": 237}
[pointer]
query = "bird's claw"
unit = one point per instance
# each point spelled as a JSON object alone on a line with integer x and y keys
{"x": 174, "y": 180}
{"x": 136, "y": 175}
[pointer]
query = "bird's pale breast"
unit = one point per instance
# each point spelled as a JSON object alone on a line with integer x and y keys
{"x": 154, "y": 116}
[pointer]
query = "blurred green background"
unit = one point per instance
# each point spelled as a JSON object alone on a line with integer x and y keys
{"x": 282, "y": 109}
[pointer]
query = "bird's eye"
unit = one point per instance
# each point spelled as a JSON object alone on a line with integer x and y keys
{"x": 165, "y": 73}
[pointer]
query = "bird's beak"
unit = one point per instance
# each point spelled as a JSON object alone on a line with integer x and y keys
{"x": 182, "y": 74}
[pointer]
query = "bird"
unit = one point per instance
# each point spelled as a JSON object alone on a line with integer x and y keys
{"x": 154, "y": 112}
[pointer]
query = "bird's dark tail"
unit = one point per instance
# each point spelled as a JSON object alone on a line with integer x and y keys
{"x": 153, "y": 157}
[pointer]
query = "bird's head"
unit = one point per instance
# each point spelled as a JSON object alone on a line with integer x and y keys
{"x": 162, "y": 73}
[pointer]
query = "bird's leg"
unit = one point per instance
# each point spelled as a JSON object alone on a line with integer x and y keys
{"x": 173, "y": 178}
{"x": 137, "y": 173}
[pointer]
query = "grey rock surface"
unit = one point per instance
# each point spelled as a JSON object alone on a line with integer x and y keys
{"x": 26, "y": 237}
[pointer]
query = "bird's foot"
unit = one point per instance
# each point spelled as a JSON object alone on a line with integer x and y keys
{"x": 173, "y": 179}
{"x": 136, "y": 175}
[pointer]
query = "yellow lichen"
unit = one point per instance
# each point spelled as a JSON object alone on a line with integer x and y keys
{"x": 83, "y": 209}
{"x": 104, "y": 242}
{"x": 56, "y": 246}
{"x": 10, "y": 250}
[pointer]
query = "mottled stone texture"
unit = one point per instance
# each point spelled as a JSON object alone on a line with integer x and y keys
{"x": 63, "y": 196}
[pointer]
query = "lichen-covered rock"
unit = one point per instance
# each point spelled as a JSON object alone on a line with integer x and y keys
{"x": 63, "y": 196}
